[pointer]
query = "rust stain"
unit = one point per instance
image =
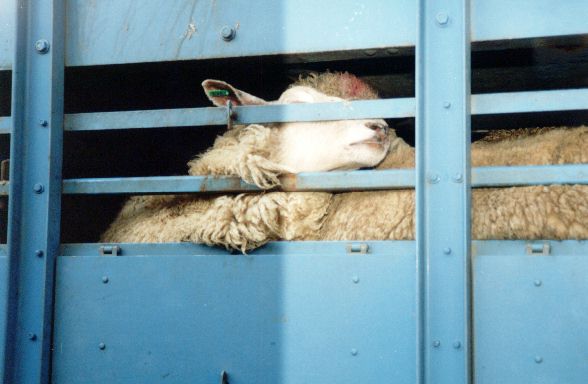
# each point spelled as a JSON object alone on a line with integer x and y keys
{"x": 289, "y": 182}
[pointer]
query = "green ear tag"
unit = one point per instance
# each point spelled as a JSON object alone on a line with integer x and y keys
{"x": 218, "y": 92}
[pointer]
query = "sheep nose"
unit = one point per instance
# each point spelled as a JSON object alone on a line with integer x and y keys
{"x": 380, "y": 129}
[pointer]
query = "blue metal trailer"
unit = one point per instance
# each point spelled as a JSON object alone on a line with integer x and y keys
{"x": 441, "y": 309}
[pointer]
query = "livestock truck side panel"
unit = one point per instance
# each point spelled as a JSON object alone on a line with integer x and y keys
{"x": 102, "y": 100}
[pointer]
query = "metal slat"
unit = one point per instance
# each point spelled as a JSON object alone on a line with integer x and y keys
{"x": 483, "y": 104}
{"x": 325, "y": 181}
{"x": 35, "y": 190}
{"x": 443, "y": 191}
{"x": 121, "y": 31}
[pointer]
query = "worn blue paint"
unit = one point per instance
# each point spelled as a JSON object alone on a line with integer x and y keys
{"x": 483, "y": 104}
{"x": 499, "y": 103}
{"x": 114, "y": 31}
{"x": 443, "y": 205}
{"x": 34, "y": 218}
{"x": 331, "y": 181}
{"x": 3, "y": 301}
{"x": 290, "y": 314}
{"x": 528, "y": 308}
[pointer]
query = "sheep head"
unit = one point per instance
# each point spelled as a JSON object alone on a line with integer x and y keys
{"x": 313, "y": 146}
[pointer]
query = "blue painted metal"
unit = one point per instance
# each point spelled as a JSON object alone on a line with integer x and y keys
{"x": 5, "y": 123}
{"x": 329, "y": 181}
{"x": 115, "y": 31}
{"x": 389, "y": 108}
{"x": 34, "y": 212}
{"x": 532, "y": 175}
{"x": 443, "y": 205}
{"x": 496, "y": 103}
{"x": 531, "y": 313}
{"x": 260, "y": 317}
{"x": 534, "y": 101}
{"x": 3, "y": 300}
{"x": 560, "y": 100}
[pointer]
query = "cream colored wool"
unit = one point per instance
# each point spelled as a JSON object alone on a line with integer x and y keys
{"x": 247, "y": 221}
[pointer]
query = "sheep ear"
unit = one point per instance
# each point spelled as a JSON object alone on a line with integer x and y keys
{"x": 220, "y": 92}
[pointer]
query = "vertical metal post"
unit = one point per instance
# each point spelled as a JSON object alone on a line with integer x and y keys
{"x": 35, "y": 188}
{"x": 443, "y": 191}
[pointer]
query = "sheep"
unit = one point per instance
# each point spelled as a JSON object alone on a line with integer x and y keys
{"x": 258, "y": 154}
{"x": 247, "y": 221}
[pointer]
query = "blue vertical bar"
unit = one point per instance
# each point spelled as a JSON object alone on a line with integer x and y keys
{"x": 35, "y": 188}
{"x": 443, "y": 191}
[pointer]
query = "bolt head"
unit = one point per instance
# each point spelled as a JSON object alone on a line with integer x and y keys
{"x": 436, "y": 343}
{"x": 370, "y": 52}
{"x": 458, "y": 177}
{"x": 38, "y": 188}
{"x": 457, "y": 344}
{"x": 354, "y": 352}
{"x": 538, "y": 359}
{"x": 32, "y": 336}
{"x": 102, "y": 346}
{"x": 355, "y": 279}
{"x": 228, "y": 33}
{"x": 433, "y": 178}
{"x": 105, "y": 279}
{"x": 442, "y": 18}
{"x": 42, "y": 46}
{"x": 446, "y": 104}
{"x": 43, "y": 123}
{"x": 447, "y": 250}
{"x": 538, "y": 283}
{"x": 39, "y": 253}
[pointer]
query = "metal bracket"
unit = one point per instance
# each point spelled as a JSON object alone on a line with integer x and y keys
{"x": 224, "y": 377}
{"x": 355, "y": 248}
{"x": 113, "y": 250}
{"x": 538, "y": 249}
{"x": 230, "y": 115}
{"x": 5, "y": 170}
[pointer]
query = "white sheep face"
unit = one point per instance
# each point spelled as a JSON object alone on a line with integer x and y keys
{"x": 315, "y": 146}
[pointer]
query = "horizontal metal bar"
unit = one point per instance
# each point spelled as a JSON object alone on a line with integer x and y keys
{"x": 534, "y": 101}
{"x": 480, "y": 248}
{"x": 5, "y": 124}
{"x": 324, "y": 181}
{"x": 118, "y": 31}
{"x": 531, "y": 175}
{"x": 387, "y": 108}
{"x": 482, "y": 104}
{"x": 319, "y": 181}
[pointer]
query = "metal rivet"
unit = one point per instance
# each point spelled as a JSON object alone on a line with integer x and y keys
{"x": 42, "y": 46}
{"x": 457, "y": 344}
{"x": 354, "y": 352}
{"x": 32, "y": 336}
{"x": 442, "y": 18}
{"x": 447, "y": 250}
{"x": 436, "y": 343}
{"x": 537, "y": 283}
{"x": 392, "y": 51}
{"x": 355, "y": 279}
{"x": 105, "y": 279}
{"x": 39, "y": 253}
{"x": 43, "y": 123}
{"x": 370, "y": 52}
{"x": 446, "y": 104}
{"x": 458, "y": 177}
{"x": 538, "y": 359}
{"x": 433, "y": 178}
{"x": 38, "y": 188}
{"x": 102, "y": 346}
{"x": 228, "y": 33}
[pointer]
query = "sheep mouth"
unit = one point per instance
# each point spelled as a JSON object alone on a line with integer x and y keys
{"x": 370, "y": 142}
